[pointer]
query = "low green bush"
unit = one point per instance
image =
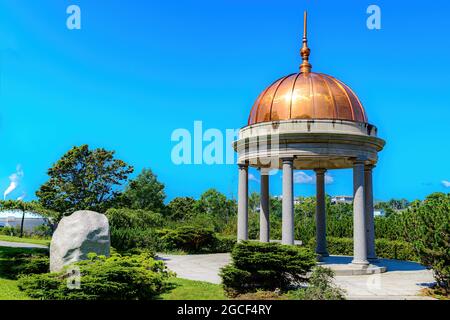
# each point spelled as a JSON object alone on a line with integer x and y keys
{"x": 131, "y": 277}
{"x": 16, "y": 261}
{"x": 388, "y": 249}
{"x": 132, "y": 229}
{"x": 320, "y": 287}
{"x": 223, "y": 244}
{"x": 265, "y": 266}
{"x": 128, "y": 239}
{"x": 190, "y": 239}
{"x": 395, "y": 249}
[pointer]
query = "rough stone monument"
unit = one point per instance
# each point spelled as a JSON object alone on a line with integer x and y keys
{"x": 78, "y": 235}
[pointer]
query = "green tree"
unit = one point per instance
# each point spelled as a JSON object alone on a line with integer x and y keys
{"x": 182, "y": 208}
{"x": 254, "y": 201}
{"x": 217, "y": 206}
{"x": 427, "y": 227}
{"x": 83, "y": 179}
{"x": 24, "y": 207}
{"x": 275, "y": 207}
{"x": 144, "y": 192}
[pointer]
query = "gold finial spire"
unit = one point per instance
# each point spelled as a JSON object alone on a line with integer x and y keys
{"x": 305, "y": 67}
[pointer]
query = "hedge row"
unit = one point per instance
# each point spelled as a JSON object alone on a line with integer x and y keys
{"x": 388, "y": 249}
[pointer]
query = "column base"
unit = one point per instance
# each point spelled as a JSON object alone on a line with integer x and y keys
{"x": 360, "y": 263}
{"x": 323, "y": 254}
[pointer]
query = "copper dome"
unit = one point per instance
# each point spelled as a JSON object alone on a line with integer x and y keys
{"x": 307, "y": 95}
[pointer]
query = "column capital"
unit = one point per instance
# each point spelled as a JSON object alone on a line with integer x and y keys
{"x": 369, "y": 167}
{"x": 320, "y": 171}
{"x": 243, "y": 165}
{"x": 287, "y": 160}
{"x": 358, "y": 162}
{"x": 264, "y": 171}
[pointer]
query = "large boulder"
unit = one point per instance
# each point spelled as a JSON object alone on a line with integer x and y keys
{"x": 76, "y": 236}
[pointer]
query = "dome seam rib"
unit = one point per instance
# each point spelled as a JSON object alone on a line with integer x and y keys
{"x": 259, "y": 104}
{"x": 275, "y": 93}
{"x": 324, "y": 79}
{"x": 363, "y": 111}
{"x": 311, "y": 94}
{"x": 347, "y": 96}
{"x": 292, "y": 94}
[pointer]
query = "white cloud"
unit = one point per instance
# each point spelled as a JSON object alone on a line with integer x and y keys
{"x": 252, "y": 177}
{"x": 301, "y": 177}
{"x": 446, "y": 183}
{"x": 22, "y": 197}
{"x": 328, "y": 179}
{"x": 14, "y": 181}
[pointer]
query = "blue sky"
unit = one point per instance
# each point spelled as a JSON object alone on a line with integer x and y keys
{"x": 138, "y": 70}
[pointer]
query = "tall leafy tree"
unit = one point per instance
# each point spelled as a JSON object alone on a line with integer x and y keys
{"x": 427, "y": 228}
{"x": 144, "y": 192}
{"x": 83, "y": 179}
{"x": 216, "y": 205}
{"x": 182, "y": 208}
{"x": 254, "y": 201}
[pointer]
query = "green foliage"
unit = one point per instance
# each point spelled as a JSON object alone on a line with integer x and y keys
{"x": 388, "y": 249}
{"x": 134, "y": 229}
{"x": 395, "y": 249}
{"x": 127, "y": 239}
{"x": 144, "y": 192}
{"x": 427, "y": 227}
{"x": 217, "y": 208}
{"x": 187, "y": 238}
{"x": 266, "y": 266}
{"x": 18, "y": 261}
{"x": 133, "y": 277}
{"x": 223, "y": 244}
{"x": 182, "y": 208}
{"x": 132, "y": 219}
{"x": 83, "y": 179}
{"x": 320, "y": 287}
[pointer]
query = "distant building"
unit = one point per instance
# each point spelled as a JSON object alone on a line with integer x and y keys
{"x": 297, "y": 200}
{"x": 13, "y": 218}
{"x": 342, "y": 199}
{"x": 379, "y": 213}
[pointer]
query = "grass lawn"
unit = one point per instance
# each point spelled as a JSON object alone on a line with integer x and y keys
{"x": 194, "y": 290}
{"x": 8, "y": 287}
{"x": 44, "y": 242}
{"x": 9, "y": 290}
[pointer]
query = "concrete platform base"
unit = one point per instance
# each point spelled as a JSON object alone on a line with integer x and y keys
{"x": 342, "y": 266}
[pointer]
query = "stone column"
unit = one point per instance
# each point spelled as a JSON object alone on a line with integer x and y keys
{"x": 370, "y": 225}
{"x": 264, "y": 213}
{"x": 243, "y": 203}
{"x": 288, "y": 202}
{"x": 321, "y": 229}
{"x": 359, "y": 219}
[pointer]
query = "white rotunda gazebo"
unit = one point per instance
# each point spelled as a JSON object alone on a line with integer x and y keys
{"x": 309, "y": 121}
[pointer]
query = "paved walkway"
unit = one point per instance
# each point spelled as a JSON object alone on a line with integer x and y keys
{"x": 403, "y": 281}
{"x": 21, "y": 245}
